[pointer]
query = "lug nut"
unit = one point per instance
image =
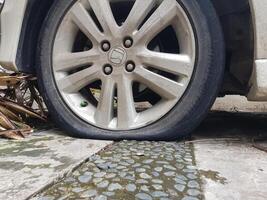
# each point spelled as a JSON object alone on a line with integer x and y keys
{"x": 105, "y": 46}
{"x": 128, "y": 42}
{"x": 130, "y": 66}
{"x": 107, "y": 69}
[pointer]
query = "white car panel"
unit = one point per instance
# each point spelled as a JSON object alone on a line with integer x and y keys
{"x": 11, "y": 23}
{"x": 258, "y": 81}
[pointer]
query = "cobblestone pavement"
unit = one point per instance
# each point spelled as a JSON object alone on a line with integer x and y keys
{"x": 133, "y": 170}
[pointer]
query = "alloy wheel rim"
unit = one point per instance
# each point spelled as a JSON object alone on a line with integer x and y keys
{"x": 118, "y": 57}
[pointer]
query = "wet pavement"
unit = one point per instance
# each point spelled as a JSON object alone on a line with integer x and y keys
{"x": 218, "y": 162}
{"x": 228, "y": 157}
{"x": 134, "y": 170}
{"x": 28, "y": 166}
{"x": 224, "y": 159}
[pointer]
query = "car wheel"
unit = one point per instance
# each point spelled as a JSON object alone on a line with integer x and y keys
{"x": 97, "y": 57}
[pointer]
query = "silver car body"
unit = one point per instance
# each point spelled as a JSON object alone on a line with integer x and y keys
{"x": 13, "y": 12}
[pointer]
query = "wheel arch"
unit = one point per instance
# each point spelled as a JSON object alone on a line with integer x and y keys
{"x": 237, "y": 22}
{"x": 35, "y": 14}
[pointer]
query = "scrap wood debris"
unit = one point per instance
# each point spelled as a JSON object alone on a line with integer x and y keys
{"x": 19, "y": 101}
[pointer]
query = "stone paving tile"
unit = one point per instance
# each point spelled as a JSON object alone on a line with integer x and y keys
{"x": 133, "y": 170}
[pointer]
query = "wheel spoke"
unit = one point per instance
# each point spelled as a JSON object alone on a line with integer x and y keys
{"x": 104, "y": 111}
{"x": 75, "y": 82}
{"x": 84, "y": 21}
{"x": 173, "y": 63}
{"x": 105, "y": 16}
{"x": 138, "y": 13}
{"x": 165, "y": 87}
{"x": 126, "y": 107}
{"x": 70, "y": 61}
{"x": 159, "y": 20}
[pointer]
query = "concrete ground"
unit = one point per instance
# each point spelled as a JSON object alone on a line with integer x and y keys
{"x": 231, "y": 168}
{"x": 28, "y": 166}
{"x": 224, "y": 159}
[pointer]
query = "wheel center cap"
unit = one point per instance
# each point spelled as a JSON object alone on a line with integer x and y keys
{"x": 117, "y": 56}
